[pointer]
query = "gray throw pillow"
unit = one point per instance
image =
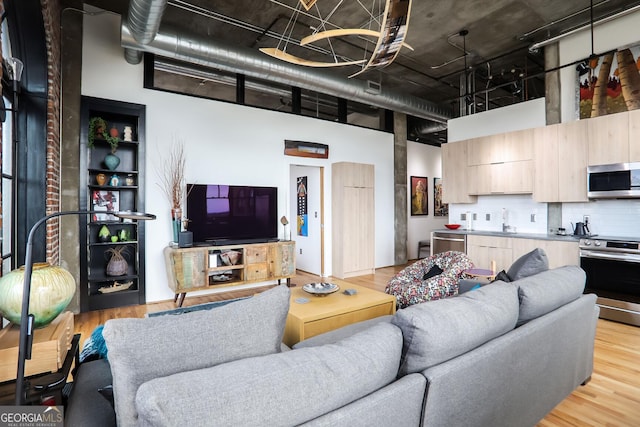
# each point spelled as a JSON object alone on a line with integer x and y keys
{"x": 529, "y": 264}
{"x": 543, "y": 293}
{"x": 148, "y": 348}
{"x": 284, "y": 389}
{"x": 437, "y": 331}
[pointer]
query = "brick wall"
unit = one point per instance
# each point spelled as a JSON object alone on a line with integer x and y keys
{"x": 51, "y": 12}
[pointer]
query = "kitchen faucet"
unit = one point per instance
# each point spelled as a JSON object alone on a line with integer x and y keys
{"x": 506, "y": 228}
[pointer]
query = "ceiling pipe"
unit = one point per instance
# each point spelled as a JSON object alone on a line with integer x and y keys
{"x": 546, "y": 42}
{"x": 144, "y": 21}
{"x": 198, "y": 49}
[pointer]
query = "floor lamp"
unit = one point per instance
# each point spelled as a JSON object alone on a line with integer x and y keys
{"x": 26, "y": 319}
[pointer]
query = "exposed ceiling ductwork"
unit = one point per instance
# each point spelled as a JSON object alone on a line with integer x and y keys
{"x": 198, "y": 49}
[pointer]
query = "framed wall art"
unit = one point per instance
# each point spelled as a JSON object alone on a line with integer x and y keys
{"x": 419, "y": 199}
{"x": 439, "y": 208}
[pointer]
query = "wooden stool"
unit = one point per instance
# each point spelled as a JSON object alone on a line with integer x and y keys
{"x": 424, "y": 244}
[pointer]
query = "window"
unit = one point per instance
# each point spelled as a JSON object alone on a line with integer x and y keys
{"x": 7, "y": 189}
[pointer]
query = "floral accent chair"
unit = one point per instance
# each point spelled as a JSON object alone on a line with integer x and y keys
{"x": 429, "y": 279}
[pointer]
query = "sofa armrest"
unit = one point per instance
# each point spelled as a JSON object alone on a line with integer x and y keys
{"x": 86, "y": 406}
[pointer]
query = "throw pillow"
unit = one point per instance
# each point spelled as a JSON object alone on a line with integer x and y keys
{"x": 433, "y": 271}
{"x": 549, "y": 290}
{"x": 148, "y": 348}
{"x": 441, "y": 330}
{"x": 529, "y": 264}
{"x": 284, "y": 389}
{"x": 502, "y": 276}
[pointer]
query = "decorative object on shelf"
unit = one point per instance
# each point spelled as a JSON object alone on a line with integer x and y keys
{"x": 113, "y": 132}
{"x": 105, "y": 200}
{"x": 284, "y": 221}
{"x": 176, "y": 223}
{"x": 123, "y": 235}
{"x": 114, "y": 238}
{"x": 104, "y": 235}
{"x": 173, "y": 184}
{"x": 452, "y": 226}
{"x": 129, "y": 180}
{"x": 101, "y": 179}
{"x": 52, "y": 288}
{"x": 114, "y": 181}
{"x": 128, "y": 134}
{"x": 117, "y": 265}
{"x": 98, "y": 129}
{"x": 320, "y": 289}
{"x": 230, "y": 257}
{"x": 116, "y": 287}
{"x": 27, "y": 317}
{"x": 111, "y": 161}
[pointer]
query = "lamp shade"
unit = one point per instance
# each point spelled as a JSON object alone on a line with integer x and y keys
{"x": 52, "y": 288}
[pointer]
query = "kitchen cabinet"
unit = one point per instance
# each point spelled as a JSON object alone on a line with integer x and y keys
{"x": 455, "y": 173}
{"x": 634, "y": 136}
{"x": 505, "y": 250}
{"x": 559, "y": 253}
{"x": 608, "y": 138}
{"x": 501, "y": 148}
{"x": 560, "y": 172}
{"x": 501, "y": 178}
{"x": 353, "y": 219}
{"x": 484, "y": 249}
{"x": 546, "y": 164}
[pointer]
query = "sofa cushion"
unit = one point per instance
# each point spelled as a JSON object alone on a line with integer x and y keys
{"x": 143, "y": 349}
{"x": 440, "y": 330}
{"x": 544, "y": 292}
{"x": 529, "y": 264}
{"x": 276, "y": 390}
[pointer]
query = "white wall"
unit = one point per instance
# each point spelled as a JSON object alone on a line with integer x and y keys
{"x": 611, "y": 35}
{"x": 228, "y": 143}
{"x": 524, "y": 115}
{"x": 422, "y": 160}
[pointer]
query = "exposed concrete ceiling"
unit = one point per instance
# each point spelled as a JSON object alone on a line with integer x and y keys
{"x": 500, "y": 33}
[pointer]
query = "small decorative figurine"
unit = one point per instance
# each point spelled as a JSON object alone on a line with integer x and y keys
{"x": 115, "y": 180}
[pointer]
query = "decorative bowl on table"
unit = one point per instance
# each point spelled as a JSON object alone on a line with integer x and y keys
{"x": 320, "y": 289}
{"x": 452, "y": 226}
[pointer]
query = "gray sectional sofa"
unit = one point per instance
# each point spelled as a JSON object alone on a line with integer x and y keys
{"x": 502, "y": 355}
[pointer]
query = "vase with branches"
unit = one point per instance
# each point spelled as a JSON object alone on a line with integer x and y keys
{"x": 173, "y": 184}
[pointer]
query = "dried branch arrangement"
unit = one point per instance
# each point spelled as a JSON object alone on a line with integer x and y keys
{"x": 171, "y": 175}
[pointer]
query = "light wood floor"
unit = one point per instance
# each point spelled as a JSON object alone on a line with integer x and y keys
{"x": 611, "y": 398}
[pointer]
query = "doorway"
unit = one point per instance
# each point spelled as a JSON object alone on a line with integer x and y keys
{"x": 306, "y": 209}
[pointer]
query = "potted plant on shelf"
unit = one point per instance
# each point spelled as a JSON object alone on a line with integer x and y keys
{"x": 98, "y": 129}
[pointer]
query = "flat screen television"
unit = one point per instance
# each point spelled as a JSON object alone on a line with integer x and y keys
{"x": 232, "y": 214}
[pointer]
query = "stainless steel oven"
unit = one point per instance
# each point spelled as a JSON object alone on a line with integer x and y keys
{"x": 613, "y": 273}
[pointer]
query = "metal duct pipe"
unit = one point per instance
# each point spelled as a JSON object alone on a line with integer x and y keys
{"x": 133, "y": 56}
{"x": 198, "y": 49}
{"x": 430, "y": 127}
{"x": 144, "y": 19}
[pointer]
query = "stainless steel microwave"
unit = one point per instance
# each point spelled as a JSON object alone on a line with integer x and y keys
{"x": 618, "y": 180}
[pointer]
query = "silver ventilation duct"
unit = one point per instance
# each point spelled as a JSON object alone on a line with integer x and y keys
{"x": 198, "y": 49}
{"x": 144, "y": 19}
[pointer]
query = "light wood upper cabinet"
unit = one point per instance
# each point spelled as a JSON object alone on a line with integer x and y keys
{"x": 546, "y": 164}
{"x": 634, "y": 136}
{"x": 501, "y": 148}
{"x": 517, "y": 146}
{"x": 455, "y": 173}
{"x": 608, "y": 139}
{"x": 501, "y": 178}
{"x": 573, "y": 142}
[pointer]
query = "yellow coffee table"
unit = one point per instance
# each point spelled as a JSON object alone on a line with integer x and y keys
{"x": 326, "y": 313}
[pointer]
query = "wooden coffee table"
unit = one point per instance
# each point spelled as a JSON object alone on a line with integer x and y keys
{"x": 323, "y": 314}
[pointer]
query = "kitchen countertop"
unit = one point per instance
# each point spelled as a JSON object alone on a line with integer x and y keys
{"x": 539, "y": 236}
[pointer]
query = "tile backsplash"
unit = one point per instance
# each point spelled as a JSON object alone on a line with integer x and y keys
{"x": 619, "y": 218}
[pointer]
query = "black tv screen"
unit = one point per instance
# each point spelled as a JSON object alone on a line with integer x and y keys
{"x": 229, "y": 214}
